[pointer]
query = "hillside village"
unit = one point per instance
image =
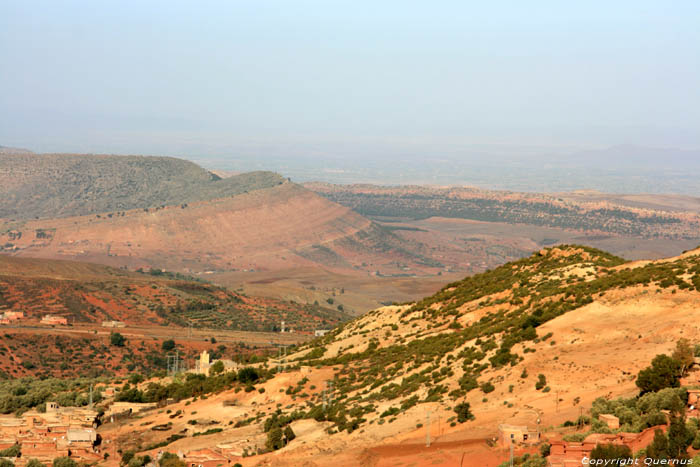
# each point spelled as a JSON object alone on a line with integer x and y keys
{"x": 528, "y": 354}
{"x": 358, "y": 233}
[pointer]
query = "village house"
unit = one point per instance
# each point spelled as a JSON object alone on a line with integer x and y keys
{"x": 611, "y": 420}
{"x": 56, "y": 432}
{"x": 517, "y": 434}
{"x": 113, "y": 324}
{"x": 10, "y": 317}
{"x": 570, "y": 453}
{"x": 204, "y": 363}
{"x": 54, "y": 320}
{"x": 128, "y": 408}
{"x": 205, "y": 458}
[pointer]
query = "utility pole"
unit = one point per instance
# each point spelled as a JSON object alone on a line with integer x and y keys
{"x": 90, "y": 396}
{"x": 328, "y": 395}
{"x": 173, "y": 363}
{"x": 557, "y": 401}
{"x": 511, "y": 452}
{"x": 427, "y": 431}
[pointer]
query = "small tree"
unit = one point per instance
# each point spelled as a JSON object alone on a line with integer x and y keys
{"x": 611, "y": 452}
{"x": 136, "y": 378}
{"x": 168, "y": 459}
{"x": 127, "y": 456}
{"x": 679, "y": 438}
{"x": 117, "y": 339}
{"x": 12, "y": 451}
{"x": 658, "y": 449}
{"x": 34, "y": 463}
{"x": 216, "y": 368}
{"x": 664, "y": 372}
{"x": 6, "y": 463}
{"x": 274, "y": 439}
{"x": 541, "y": 382}
{"x": 168, "y": 345}
{"x": 463, "y": 412}
{"x": 289, "y": 434}
{"x": 684, "y": 354}
{"x": 64, "y": 462}
{"x": 248, "y": 375}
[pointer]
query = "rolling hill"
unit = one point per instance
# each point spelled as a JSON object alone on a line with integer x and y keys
{"x": 64, "y": 185}
{"x": 640, "y": 216}
{"x": 152, "y": 306}
{"x": 536, "y": 339}
{"x": 167, "y": 213}
{"x": 271, "y": 228}
{"x": 87, "y": 293}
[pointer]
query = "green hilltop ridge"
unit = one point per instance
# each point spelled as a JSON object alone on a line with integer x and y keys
{"x": 434, "y": 351}
{"x": 65, "y": 185}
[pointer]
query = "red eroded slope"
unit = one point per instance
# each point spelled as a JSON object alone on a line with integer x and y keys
{"x": 268, "y": 229}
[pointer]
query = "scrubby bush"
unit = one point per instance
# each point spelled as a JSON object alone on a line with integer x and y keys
{"x": 216, "y": 368}
{"x": 541, "y": 382}
{"x": 168, "y": 345}
{"x": 64, "y": 462}
{"x": 117, "y": 339}
{"x": 168, "y": 459}
{"x": 12, "y": 451}
{"x": 610, "y": 452}
{"x": 463, "y": 411}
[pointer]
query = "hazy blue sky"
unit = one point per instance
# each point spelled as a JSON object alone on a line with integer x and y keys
{"x": 285, "y": 77}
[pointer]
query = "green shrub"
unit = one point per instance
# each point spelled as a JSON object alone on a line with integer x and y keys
{"x": 664, "y": 372}
{"x": 610, "y": 452}
{"x": 168, "y": 345}
{"x": 13, "y": 451}
{"x": 463, "y": 411}
{"x": 541, "y": 382}
{"x": 64, "y": 462}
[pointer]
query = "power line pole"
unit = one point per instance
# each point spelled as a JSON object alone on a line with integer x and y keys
{"x": 173, "y": 363}
{"x": 511, "y": 452}
{"x": 427, "y": 431}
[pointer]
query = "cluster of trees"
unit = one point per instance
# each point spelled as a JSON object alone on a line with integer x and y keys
{"x": 660, "y": 401}
{"x": 666, "y": 371}
{"x": 20, "y": 395}
{"x": 192, "y": 385}
{"x": 525, "y": 211}
{"x": 278, "y": 429}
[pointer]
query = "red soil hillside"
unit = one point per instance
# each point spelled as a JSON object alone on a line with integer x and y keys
{"x": 71, "y": 351}
{"x": 266, "y": 229}
{"x": 89, "y": 293}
